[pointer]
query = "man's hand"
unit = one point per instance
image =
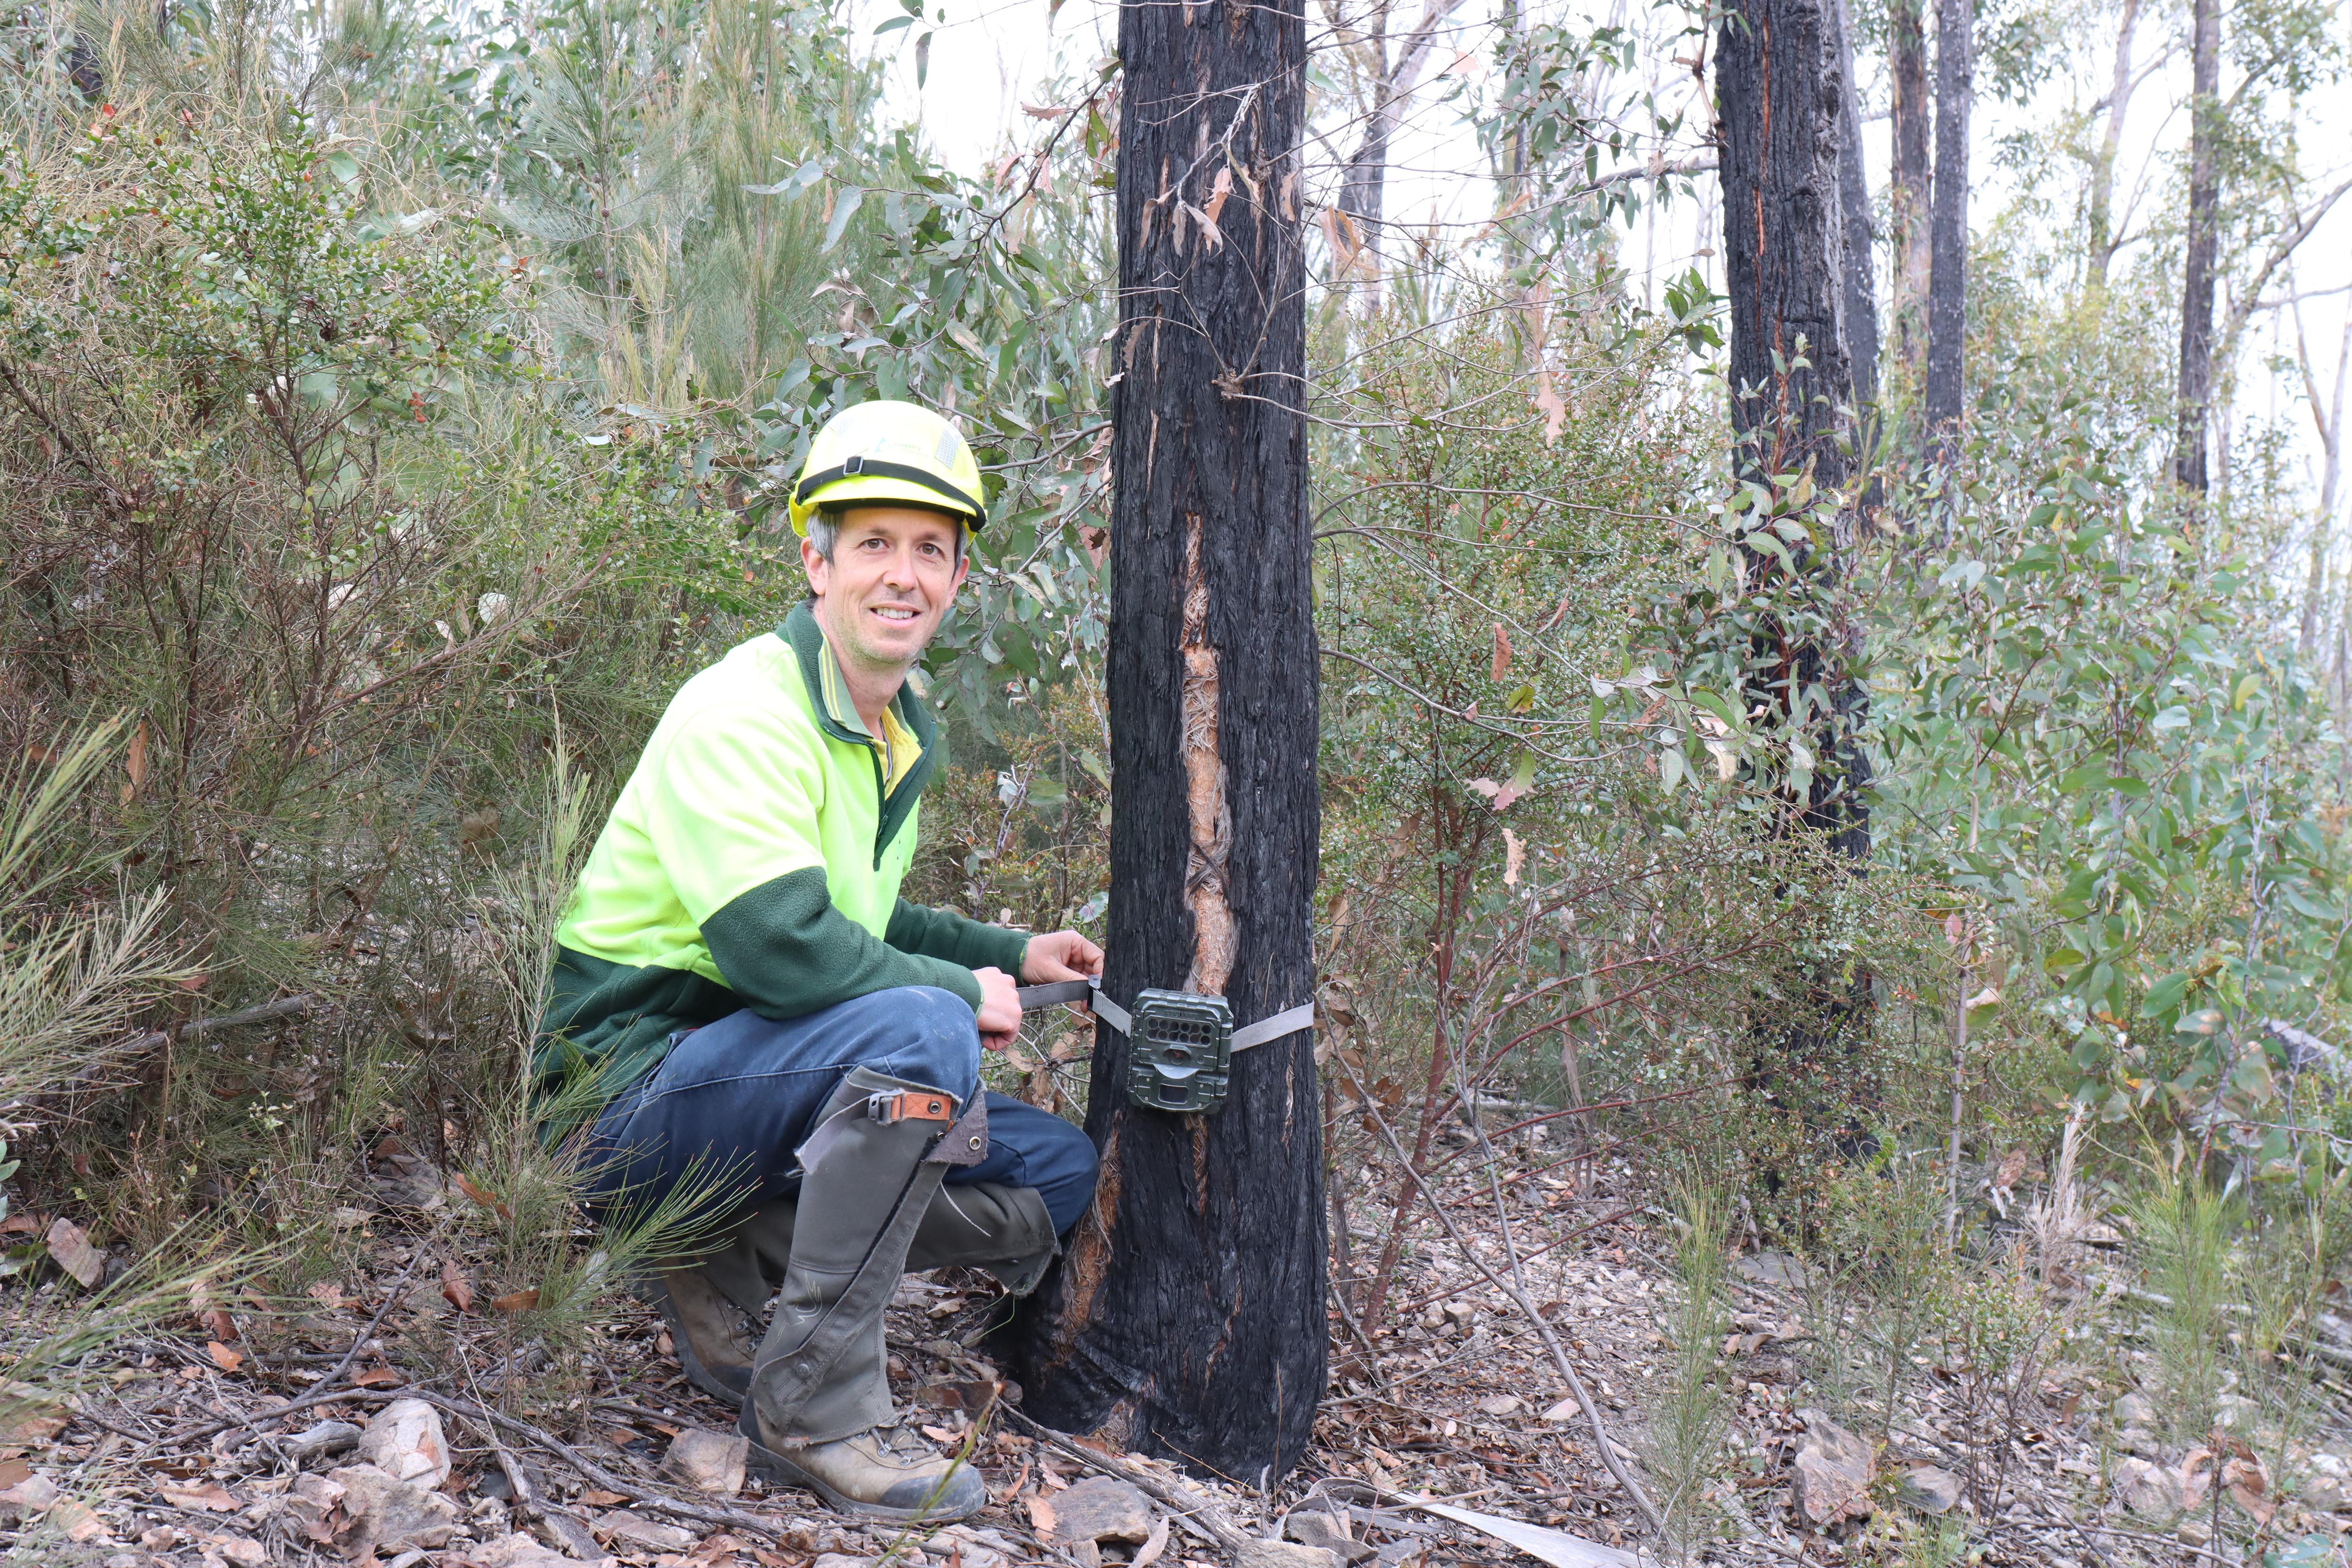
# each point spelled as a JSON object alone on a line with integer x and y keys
{"x": 1060, "y": 955}
{"x": 998, "y": 1016}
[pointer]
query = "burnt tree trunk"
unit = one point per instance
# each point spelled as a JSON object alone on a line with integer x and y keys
{"x": 2196, "y": 393}
{"x": 1947, "y": 267}
{"x": 1906, "y": 48}
{"x": 1779, "y": 91}
{"x": 1187, "y": 1317}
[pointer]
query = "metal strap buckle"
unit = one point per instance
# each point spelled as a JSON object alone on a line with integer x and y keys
{"x": 909, "y": 1105}
{"x": 853, "y": 467}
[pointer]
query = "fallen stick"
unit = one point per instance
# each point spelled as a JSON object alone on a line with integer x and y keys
{"x": 140, "y": 1045}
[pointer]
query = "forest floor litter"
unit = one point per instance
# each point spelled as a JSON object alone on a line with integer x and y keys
{"x": 391, "y": 1418}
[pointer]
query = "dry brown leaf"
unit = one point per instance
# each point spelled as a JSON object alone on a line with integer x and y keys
{"x": 375, "y": 1378}
{"x": 516, "y": 1300}
{"x": 2249, "y": 1488}
{"x": 1040, "y": 1514}
{"x": 1502, "y": 651}
{"x": 1219, "y": 190}
{"x": 2196, "y": 1477}
{"x": 135, "y": 765}
{"x": 1548, "y": 403}
{"x": 225, "y": 1359}
{"x": 12, "y": 1471}
{"x": 596, "y": 1496}
{"x": 216, "y": 1321}
{"x": 209, "y": 1495}
{"x": 482, "y": 1195}
{"x": 1156, "y": 1542}
{"x": 69, "y": 1246}
{"x": 1514, "y": 858}
{"x": 328, "y": 1293}
{"x": 454, "y": 1289}
{"x": 79, "y": 1522}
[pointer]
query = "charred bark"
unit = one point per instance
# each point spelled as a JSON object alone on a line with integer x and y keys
{"x": 1948, "y": 269}
{"x": 1779, "y": 91}
{"x": 2196, "y": 393}
{"x": 1187, "y": 1317}
{"x": 1777, "y": 94}
{"x": 1908, "y": 187}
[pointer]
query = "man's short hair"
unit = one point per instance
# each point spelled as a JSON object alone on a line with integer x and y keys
{"x": 825, "y": 525}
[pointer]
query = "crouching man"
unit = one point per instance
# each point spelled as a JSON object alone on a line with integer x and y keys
{"x": 738, "y": 972}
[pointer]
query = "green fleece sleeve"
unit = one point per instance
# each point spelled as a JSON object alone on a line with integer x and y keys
{"x": 786, "y": 951}
{"x": 944, "y": 933}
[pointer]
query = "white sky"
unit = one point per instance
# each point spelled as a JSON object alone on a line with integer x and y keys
{"x": 988, "y": 59}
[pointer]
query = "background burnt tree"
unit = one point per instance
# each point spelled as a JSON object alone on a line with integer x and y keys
{"x": 1947, "y": 267}
{"x": 1780, "y": 90}
{"x": 1187, "y": 1316}
{"x": 2196, "y": 393}
{"x": 1907, "y": 185}
{"x": 1857, "y": 267}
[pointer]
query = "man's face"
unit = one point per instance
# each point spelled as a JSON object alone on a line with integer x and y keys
{"x": 894, "y": 571}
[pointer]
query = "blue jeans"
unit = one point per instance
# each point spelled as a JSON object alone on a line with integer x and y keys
{"x": 734, "y": 1099}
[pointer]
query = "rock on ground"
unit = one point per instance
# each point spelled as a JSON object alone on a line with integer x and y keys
{"x": 707, "y": 1461}
{"x": 514, "y": 1551}
{"x": 635, "y": 1529}
{"x": 404, "y": 1440}
{"x": 2148, "y": 1490}
{"x": 358, "y": 1508}
{"x": 1313, "y": 1527}
{"x": 1831, "y": 1477}
{"x": 1284, "y": 1554}
{"x": 1102, "y": 1508}
{"x": 1929, "y": 1489}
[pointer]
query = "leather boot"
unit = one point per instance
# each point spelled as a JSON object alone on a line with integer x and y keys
{"x": 712, "y": 1335}
{"x": 709, "y": 1307}
{"x": 1004, "y": 1230}
{"x": 819, "y": 1411}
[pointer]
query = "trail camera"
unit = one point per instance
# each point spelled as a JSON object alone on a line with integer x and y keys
{"x": 1179, "y": 1050}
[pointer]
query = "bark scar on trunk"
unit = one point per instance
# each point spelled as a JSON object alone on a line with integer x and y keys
{"x": 1087, "y": 1261}
{"x": 1204, "y": 788}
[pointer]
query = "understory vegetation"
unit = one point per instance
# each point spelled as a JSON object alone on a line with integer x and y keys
{"x": 394, "y": 403}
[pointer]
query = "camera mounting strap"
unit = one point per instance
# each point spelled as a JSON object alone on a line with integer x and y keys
{"x": 1289, "y": 1021}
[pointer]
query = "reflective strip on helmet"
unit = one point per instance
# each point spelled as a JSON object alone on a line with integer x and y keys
{"x": 805, "y": 492}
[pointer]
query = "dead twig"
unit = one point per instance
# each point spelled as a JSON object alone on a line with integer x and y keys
{"x": 269, "y": 1012}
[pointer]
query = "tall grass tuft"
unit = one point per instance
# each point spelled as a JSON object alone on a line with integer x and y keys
{"x": 2185, "y": 1228}
{"x": 1689, "y": 1422}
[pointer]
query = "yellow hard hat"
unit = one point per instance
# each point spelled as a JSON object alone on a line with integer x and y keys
{"x": 888, "y": 451}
